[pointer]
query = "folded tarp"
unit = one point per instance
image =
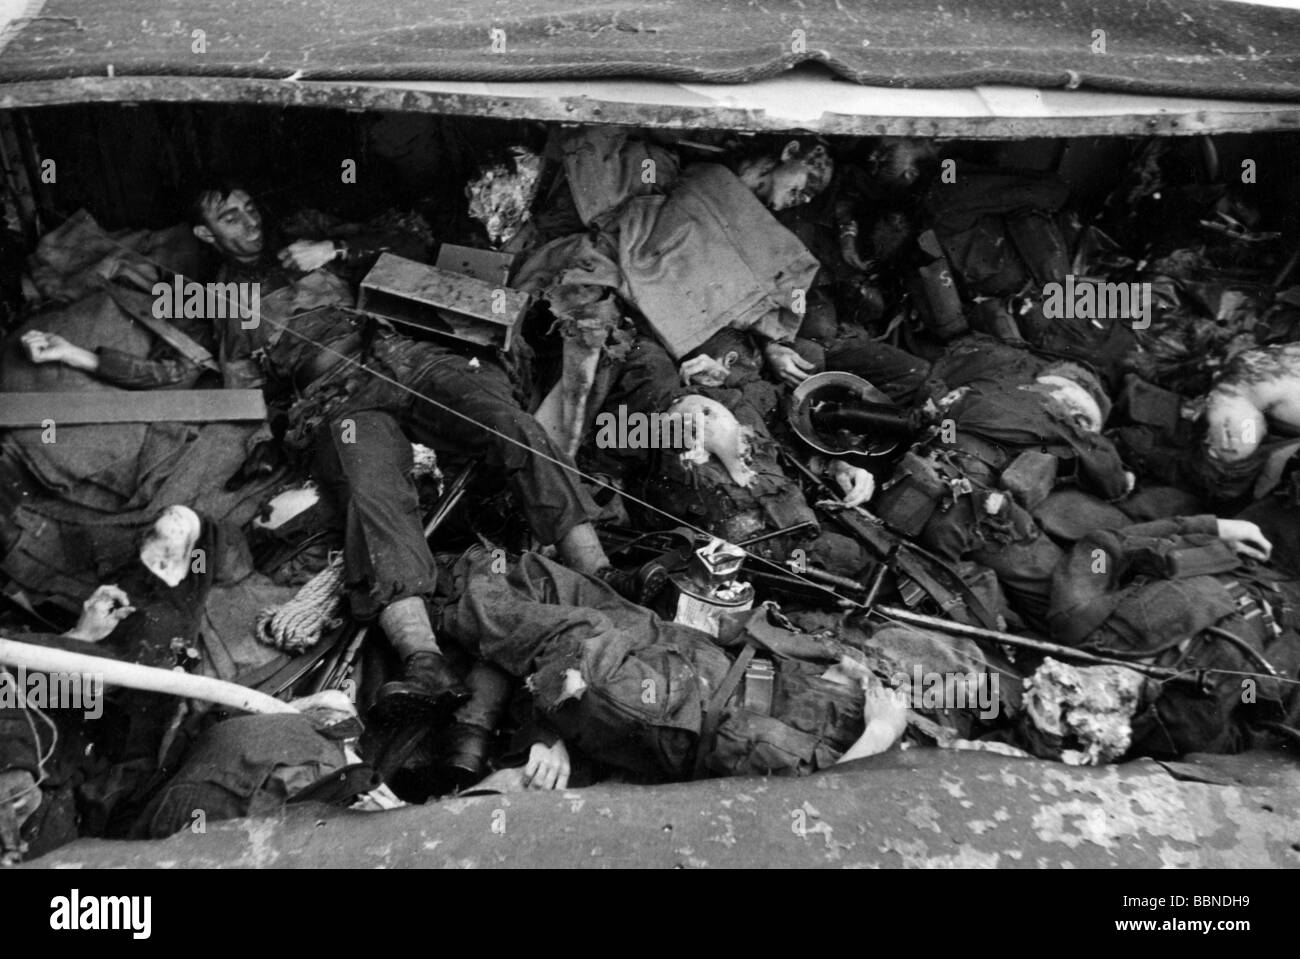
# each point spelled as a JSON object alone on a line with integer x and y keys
{"x": 1168, "y": 47}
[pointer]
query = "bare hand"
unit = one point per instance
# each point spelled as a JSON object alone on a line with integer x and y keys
{"x": 307, "y": 255}
{"x": 884, "y": 713}
{"x": 858, "y": 484}
{"x": 885, "y": 707}
{"x": 704, "y": 370}
{"x": 100, "y": 614}
{"x": 1246, "y": 538}
{"x": 46, "y": 347}
{"x": 880, "y": 704}
{"x": 784, "y": 361}
{"x": 52, "y": 348}
{"x": 548, "y": 766}
{"x": 849, "y": 248}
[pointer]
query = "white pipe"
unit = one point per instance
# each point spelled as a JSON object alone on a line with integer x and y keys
{"x": 151, "y": 679}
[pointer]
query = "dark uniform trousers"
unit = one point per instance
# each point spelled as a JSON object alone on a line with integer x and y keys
{"x": 451, "y": 403}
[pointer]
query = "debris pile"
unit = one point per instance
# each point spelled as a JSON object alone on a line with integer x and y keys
{"x": 664, "y": 458}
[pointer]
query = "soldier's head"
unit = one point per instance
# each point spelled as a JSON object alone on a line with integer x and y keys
{"x": 1234, "y": 426}
{"x": 501, "y": 196}
{"x": 789, "y": 177}
{"x": 1079, "y": 392}
{"x": 901, "y": 162}
{"x": 167, "y": 547}
{"x": 225, "y": 216}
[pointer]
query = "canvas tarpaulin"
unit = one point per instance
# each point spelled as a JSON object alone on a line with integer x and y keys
{"x": 1168, "y": 47}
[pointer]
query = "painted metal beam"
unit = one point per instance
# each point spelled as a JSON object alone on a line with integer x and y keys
{"x": 792, "y": 102}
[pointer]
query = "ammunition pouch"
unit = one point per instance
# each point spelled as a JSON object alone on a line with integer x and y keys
{"x": 911, "y": 496}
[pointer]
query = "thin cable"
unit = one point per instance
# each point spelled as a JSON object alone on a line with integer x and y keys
{"x": 285, "y": 328}
{"x": 41, "y": 759}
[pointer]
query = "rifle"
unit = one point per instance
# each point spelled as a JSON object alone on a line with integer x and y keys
{"x": 1162, "y": 673}
{"x": 673, "y": 547}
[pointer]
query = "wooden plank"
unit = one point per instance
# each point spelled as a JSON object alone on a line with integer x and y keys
{"x": 490, "y": 266}
{"x": 19, "y": 410}
{"x": 442, "y": 302}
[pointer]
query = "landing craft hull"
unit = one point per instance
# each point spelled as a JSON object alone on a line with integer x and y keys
{"x": 919, "y": 808}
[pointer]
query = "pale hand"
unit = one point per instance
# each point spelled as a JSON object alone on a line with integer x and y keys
{"x": 886, "y": 707}
{"x": 307, "y": 255}
{"x": 1246, "y": 538}
{"x": 100, "y": 614}
{"x": 858, "y": 484}
{"x": 547, "y": 767}
{"x": 880, "y": 704}
{"x": 47, "y": 347}
{"x": 704, "y": 370}
{"x": 884, "y": 714}
{"x": 786, "y": 363}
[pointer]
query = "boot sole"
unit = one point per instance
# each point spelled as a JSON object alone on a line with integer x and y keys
{"x": 400, "y": 708}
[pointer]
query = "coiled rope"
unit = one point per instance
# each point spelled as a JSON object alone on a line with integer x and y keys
{"x": 298, "y": 624}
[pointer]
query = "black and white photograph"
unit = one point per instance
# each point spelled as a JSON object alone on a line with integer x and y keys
{"x": 650, "y": 434}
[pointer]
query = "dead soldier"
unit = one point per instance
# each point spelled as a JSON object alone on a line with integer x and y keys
{"x": 997, "y": 403}
{"x": 359, "y": 402}
{"x": 1196, "y": 593}
{"x": 658, "y": 700}
{"x": 698, "y": 253}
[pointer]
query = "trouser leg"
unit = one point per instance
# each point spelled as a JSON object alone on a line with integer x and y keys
{"x": 472, "y": 410}
{"x": 489, "y": 688}
{"x": 406, "y": 624}
{"x": 1020, "y": 554}
{"x": 646, "y": 381}
{"x": 366, "y": 462}
{"x": 896, "y": 373}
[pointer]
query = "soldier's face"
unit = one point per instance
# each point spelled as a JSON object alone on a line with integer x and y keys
{"x": 233, "y": 225}
{"x": 779, "y": 183}
{"x": 1076, "y": 401}
{"x": 1234, "y": 428}
{"x": 789, "y": 186}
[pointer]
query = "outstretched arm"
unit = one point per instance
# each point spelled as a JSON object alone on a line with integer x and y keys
{"x": 884, "y": 711}
{"x": 112, "y": 366}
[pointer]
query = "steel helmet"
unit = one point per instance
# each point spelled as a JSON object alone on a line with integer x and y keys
{"x": 843, "y": 390}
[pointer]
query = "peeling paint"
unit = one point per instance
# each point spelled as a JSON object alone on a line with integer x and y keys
{"x": 1129, "y": 815}
{"x": 260, "y": 835}
{"x": 916, "y": 855}
{"x": 923, "y": 815}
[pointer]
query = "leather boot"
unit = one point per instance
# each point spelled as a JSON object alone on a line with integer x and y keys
{"x": 463, "y": 753}
{"x": 427, "y": 690}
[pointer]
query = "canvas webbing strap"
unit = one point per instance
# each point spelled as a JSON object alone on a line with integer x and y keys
{"x": 173, "y": 337}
